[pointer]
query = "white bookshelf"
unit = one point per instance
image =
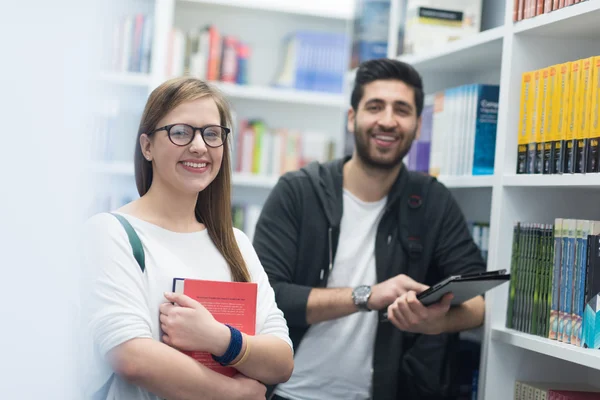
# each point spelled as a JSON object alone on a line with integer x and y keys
{"x": 255, "y": 181}
{"x": 480, "y": 51}
{"x": 274, "y": 94}
{"x": 330, "y": 9}
{"x": 508, "y": 355}
{"x": 461, "y": 182}
{"x": 565, "y": 180}
{"x": 565, "y": 352}
{"x": 579, "y": 21}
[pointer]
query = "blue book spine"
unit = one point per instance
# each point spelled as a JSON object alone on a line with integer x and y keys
{"x": 485, "y": 130}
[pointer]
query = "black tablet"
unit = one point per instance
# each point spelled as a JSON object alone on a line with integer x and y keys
{"x": 463, "y": 287}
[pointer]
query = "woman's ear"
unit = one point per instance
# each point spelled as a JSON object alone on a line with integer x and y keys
{"x": 145, "y": 146}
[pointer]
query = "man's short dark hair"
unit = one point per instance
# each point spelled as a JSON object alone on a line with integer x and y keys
{"x": 387, "y": 69}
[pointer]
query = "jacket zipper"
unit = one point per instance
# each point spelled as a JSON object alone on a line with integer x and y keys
{"x": 329, "y": 239}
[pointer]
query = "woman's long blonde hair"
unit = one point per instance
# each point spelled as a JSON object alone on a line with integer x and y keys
{"x": 213, "y": 207}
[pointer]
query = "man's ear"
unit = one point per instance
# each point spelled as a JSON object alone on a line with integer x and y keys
{"x": 418, "y": 134}
{"x": 351, "y": 120}
{"x": 145, "y": 146}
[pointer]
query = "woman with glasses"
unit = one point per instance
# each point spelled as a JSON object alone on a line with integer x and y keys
{"x": 183, "y": 221}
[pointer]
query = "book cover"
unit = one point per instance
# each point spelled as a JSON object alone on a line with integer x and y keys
{"x": 585, "y": 108}
{"x": 561, "y": 105}
{"x": 594, "y": 126}
{"x": 573, "y": 118}
{"x": 549, "y": 133}
{"x": 522, "y": 138}
{"x": 485, "y": 130}
{"x": 232, "y": 303}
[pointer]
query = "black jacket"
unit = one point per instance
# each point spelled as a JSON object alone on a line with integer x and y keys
{"x": 296, "y": 238}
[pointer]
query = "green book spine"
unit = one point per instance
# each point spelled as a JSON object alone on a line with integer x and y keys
{"x": 520, "y": 281}
{"x": 536, "y": 280}
{"x": 514, "y": 271}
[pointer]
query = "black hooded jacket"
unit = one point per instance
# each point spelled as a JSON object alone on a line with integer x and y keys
{"x": 296, "y": 238}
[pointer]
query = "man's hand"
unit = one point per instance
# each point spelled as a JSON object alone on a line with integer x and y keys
{"x": 385, "y": 293}
{"x": 410, "y": 315}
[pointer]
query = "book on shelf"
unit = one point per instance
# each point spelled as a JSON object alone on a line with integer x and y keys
{"x": 370, "y": 31}
{"x": 130, "y": 46}
{"x": 480, "y": 231}
{"x": 245, "y": 217}
{"x": 417, "y": 158}
{"x": 554, "y": 276}
{"x": 208, "y": 54}
{"x": 469, "y": 146}
{"x": 313, "y": 61}
{"x": 525, "y": 9}
{"x": 232, "y": 303}
{"x": 559, "y": 111}
{"x": 526, "y": 390}
{"x": 261, "y": 150}
{"x": 432, "y": 24}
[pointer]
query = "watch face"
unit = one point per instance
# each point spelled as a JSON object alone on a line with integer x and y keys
{"x": 362, "y": 291}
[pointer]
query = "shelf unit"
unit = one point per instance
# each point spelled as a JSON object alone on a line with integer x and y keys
{"x": 279, "y": 107}
{"x": 508, "y": 355}
{"x": 500, "y": 54}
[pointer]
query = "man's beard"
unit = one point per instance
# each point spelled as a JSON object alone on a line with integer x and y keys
{"x": 361, "y": 143}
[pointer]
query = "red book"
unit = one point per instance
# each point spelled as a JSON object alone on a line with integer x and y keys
{"x": 232, "y": 303}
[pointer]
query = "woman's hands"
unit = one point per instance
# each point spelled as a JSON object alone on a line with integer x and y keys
{"x": 189, "y": 326}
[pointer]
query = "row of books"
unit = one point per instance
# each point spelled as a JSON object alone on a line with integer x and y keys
{"x": 422, "y": 25}
{"x": 208, "y": 55}
{"x": 525, "y": 390}
{"x": 555, "y": 280}
{"x": 525, "y": 9}
{"x": 480, "y": 231}
{"x": 130, "y": 47}
{"x": 262, "y": 150}
{"x": 314, "y": 61}
{"x": 461, "y": 128}
{"x": 559, "y": 125}
{"x": 245, "y": 217}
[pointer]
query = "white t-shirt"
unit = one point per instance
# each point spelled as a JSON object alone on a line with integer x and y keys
{"x": 122, "y": 303}
{"x": 335, "y": 358}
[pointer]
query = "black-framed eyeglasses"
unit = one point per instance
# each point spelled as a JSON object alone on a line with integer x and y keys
{"x": 183, "y": 134}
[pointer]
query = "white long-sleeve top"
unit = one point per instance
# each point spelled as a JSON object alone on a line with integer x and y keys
{"x": 121, "y": 303}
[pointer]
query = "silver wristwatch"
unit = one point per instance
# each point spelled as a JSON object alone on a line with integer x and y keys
{"x": 361, "y": 295}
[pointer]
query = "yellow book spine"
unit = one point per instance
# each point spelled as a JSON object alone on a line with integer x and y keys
{"x": 547, "y": 126}
{"x": 534, "y": 133}
{"x": 574, "y": 91}
{"x": 594, "y": 119}
{"x": 524, "y": 118}
{"x": 585, "y": 98}
{"x": 562, "y": 105}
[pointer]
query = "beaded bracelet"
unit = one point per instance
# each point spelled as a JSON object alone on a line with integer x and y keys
{"x": 233, "y": 350}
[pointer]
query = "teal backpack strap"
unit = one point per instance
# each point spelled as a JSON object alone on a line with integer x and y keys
{"x": 134, "y": 240}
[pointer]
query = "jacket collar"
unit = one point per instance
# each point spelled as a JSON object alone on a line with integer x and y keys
{"x": 328, "y": 181}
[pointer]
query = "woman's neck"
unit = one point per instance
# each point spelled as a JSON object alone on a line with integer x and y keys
{"x": 167, "y": 209}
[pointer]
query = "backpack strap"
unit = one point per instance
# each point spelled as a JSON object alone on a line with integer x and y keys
{"x": 412, "y": 219}
{"x": 134, "y": 240}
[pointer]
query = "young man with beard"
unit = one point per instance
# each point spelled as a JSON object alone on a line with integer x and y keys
{"x": 346, "y": 241}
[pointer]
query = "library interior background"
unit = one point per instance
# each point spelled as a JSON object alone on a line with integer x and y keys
{"x": 510, "y": 125}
